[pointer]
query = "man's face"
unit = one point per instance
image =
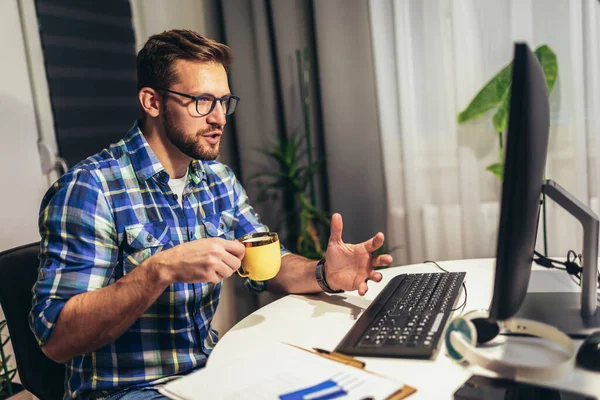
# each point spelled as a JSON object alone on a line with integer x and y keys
{"x": 196, "y": 136}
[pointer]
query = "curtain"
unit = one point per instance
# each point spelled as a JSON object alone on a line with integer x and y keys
{"x": 431, "y": 58}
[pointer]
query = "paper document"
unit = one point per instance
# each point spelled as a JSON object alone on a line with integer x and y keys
{"x": 281, "y": 372}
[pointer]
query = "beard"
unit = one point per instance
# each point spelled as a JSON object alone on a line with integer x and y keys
{"x": 190, "y": 145}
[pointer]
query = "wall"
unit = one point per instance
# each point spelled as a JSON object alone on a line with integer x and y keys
{"x": 155, "y": 16}
{"x": 25, "y": 183}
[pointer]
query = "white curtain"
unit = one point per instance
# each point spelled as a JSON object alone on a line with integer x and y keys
{"x": 431, "y": 58}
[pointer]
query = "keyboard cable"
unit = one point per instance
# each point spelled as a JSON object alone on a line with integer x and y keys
{"x": 464, "y": 303}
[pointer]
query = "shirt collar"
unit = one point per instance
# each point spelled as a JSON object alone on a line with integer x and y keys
{"x": 146, "y": 164}
{"x": 197, "y": 171}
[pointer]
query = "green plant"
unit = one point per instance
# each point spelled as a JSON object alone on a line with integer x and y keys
{"x": 496, "y": 94}
{"x": 293, "y": 177}
{"x": 6, "y": 374}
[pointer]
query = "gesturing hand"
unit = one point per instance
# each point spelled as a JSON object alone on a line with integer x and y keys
{"x": 203, "y": 260}
{"x": 350, "y": 266}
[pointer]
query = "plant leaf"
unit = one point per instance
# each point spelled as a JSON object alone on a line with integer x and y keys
{"x": 496, "y": 169}
{"x": 547, "y": 59}
{"x": 292, "y": 176}
{"x": 497, "y": 91}
{"x": 490, "y": 96}
{"x": 500, "y": 118}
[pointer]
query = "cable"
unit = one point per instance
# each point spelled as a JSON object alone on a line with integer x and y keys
{"x": 464, "y": 303}
{"x": 436, "y": 264}
{"x": 547, "y": 262}
{"x": 571, "y": 266}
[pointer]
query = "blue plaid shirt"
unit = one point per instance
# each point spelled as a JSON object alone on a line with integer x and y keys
{"x": 102, "y": 219}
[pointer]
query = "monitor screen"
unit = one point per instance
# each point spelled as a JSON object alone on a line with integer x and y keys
{"x": 525, "y": 160}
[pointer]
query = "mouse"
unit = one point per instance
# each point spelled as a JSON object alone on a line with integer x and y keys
{"x": 588, "y": 355}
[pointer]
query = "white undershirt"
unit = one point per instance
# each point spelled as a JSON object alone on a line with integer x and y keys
{"x": 177, "y": 185}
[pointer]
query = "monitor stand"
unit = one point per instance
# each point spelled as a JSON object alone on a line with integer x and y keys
{"x": 561, "y": 310}
{"x": 576, "y": 313}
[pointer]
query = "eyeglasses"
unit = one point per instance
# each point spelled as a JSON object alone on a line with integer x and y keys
{"x": 205, "y": 103}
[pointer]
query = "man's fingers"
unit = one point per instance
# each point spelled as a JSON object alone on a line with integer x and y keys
{"x": 234, "y": 247}
{"x": 231, "y": 261}
{"x": 375, "y": 242}
{"x": 375, "y": 276}
{"x": 225, "y": 270}
{"x": 382, "y": 260}
{"x": 218, "y": 275}
{"x": 363, "y": 288}
{"x": 337, "y": 225}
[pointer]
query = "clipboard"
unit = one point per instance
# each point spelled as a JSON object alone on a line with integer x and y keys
{"x": 285, "y": 372}
{"x": 402, "y": 393}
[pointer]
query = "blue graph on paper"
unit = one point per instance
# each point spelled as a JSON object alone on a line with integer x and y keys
{"x": 325, "y": 390}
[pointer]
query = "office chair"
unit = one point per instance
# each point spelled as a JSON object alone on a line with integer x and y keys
{"x": 18, "y": 272}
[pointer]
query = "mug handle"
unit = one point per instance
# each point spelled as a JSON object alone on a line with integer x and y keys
{"x": 243, "y": 275}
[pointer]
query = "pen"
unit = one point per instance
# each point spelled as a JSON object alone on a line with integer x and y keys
{"x": 339, "y": 357}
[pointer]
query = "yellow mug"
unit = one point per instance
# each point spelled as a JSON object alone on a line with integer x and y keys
{"x": 262, "y": 258}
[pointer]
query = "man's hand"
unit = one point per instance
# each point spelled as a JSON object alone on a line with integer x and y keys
{"x": 350, "y": 266}
{"x": 203, "y": 260}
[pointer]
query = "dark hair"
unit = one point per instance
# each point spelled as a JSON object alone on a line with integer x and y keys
{"x": 156, "y": 59}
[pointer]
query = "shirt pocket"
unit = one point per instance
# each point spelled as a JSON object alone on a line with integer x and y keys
{"x": 221, "y": 224}
{"x": 143, "y": 241}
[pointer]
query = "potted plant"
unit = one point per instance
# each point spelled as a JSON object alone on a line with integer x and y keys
{"x": 302, "y": 217}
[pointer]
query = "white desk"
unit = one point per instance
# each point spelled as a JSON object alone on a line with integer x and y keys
{"x": 323, "y": 320}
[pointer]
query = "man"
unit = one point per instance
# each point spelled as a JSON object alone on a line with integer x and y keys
{"x": 137, "y": 239}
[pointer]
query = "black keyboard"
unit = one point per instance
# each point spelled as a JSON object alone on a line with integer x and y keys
{"x": 407, "y": 318}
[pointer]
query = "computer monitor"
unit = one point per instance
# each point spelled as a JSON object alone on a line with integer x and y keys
{"x": 522, "y": 188}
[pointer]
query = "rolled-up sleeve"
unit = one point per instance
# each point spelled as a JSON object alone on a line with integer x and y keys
{"x": 248, "y": 221}
{"x": 78, "y": 248}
